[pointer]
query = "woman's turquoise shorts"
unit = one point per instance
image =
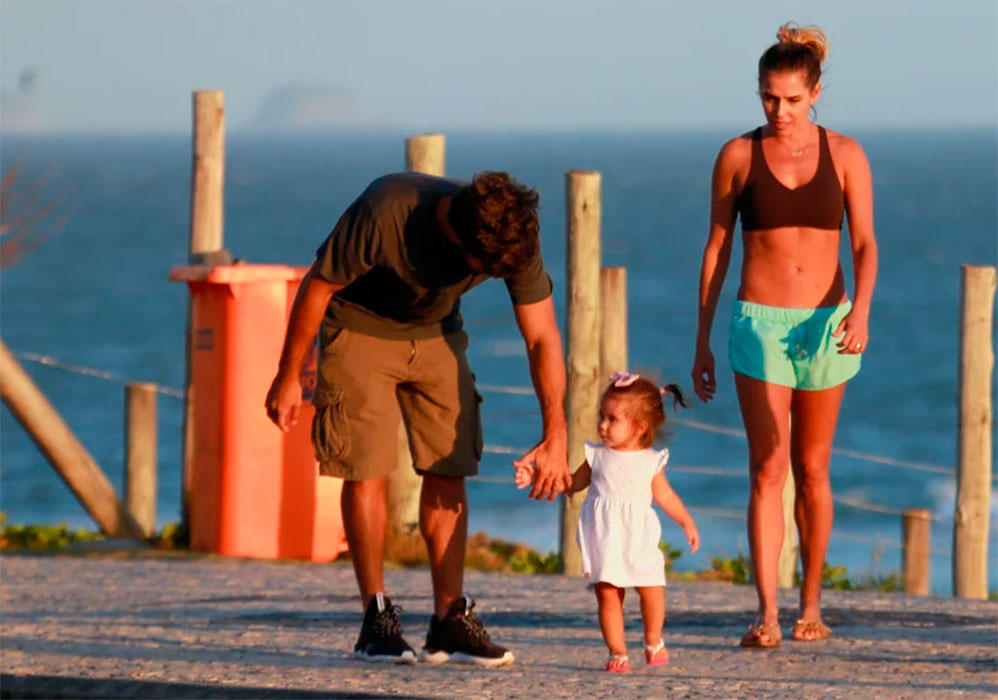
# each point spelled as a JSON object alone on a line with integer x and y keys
{"x": 791, "y": 347}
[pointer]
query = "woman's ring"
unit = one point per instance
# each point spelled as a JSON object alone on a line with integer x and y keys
{"x": 858, "y": 346}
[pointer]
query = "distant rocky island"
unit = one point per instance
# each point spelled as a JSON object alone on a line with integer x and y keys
{"x": 310, "y": 108}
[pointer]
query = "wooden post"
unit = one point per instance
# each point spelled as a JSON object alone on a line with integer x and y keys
{"x": 583, "y": 211}
{"x": 207, "y": 172}
{"x": 613, "y": 323}
{"x": 916, "y": 525}
{"x": 973, "y": 493}
{"x": 788, "y": 554}
{"x": 206, "y": 241}
{"x": 423, "y": 154}
{"x": 140, "y": 455}
{"x": 69, "y": 457}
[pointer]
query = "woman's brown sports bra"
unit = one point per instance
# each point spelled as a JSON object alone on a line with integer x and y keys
{"x": 766, "y": 203}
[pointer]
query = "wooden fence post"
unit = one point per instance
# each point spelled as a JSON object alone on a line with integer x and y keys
{"x": 426, "y": 153}
{"x": 582, "y": 190}
{"x": 613, "y": 323}
{"x": 140, "y": 455}
{"x": 70, "y": 458}
{"x": 423, "y": 154}
{"x": 787, "y": 566}
{"x": 916, "y": 524}
{"x": 206, "y": 241}
{"x": 207, "y": 172}
{"x": 973, "y": 493}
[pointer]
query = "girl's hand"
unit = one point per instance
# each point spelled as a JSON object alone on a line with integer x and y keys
{"x": 524, "y": 476}
{"x": 692, "y": 537}
{"x": 853, "y": 329}
{"x": 704, "y": 384}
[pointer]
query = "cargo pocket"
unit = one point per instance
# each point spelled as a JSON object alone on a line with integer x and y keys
{"x": 331, "y": 339}
{"x": 329, "y": 426}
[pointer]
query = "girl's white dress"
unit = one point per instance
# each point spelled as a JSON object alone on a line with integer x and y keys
{"x": 619, "y": 532}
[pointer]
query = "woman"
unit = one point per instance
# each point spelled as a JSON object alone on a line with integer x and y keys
{"x": 795, "y": 338}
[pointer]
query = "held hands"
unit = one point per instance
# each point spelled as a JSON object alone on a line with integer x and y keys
{"x": 853, "y": 329}
{"x": 546, "y": 469}
{"x": 284, "y": 401}
{"x": 704, "y": 384}
{"x": 524, "y": 475}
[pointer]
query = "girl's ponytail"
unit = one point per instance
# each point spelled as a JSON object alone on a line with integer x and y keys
{"x": 677, "y": 395}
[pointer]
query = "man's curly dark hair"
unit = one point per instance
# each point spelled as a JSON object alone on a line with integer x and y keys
{"x": 495, "y": 219}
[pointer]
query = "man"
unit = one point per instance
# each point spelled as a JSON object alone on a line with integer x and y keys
{"x": 386, "y": 287}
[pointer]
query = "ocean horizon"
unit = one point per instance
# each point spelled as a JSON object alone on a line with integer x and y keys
{"x": 96, "y": 295}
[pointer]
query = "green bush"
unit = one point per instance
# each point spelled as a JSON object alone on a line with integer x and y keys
{"x": 884, "y": 583}
{"x": 671, "y": 554}
{"x": 732, "y": 570}
{"x": 533, "y": 563}
{"x": 47, "y": 537}
{"x": 836, "y": 578}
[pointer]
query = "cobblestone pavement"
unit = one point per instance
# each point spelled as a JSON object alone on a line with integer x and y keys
{"x": 140, "y": 626}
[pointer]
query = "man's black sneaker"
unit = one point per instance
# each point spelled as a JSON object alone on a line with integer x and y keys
{"x": 461, "y": 637}
{"x": 381, "y": 634}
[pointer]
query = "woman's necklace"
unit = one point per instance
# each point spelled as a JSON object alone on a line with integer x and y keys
{"x": 795, "y": 151}
{"x": 798, "y": 152}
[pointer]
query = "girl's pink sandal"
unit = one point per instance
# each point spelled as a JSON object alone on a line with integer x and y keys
{"x": 656, "y": 654}
{"x": 618, "y": 663}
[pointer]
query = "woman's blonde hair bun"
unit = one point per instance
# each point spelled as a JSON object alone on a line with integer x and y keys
{"x": 798, "y": 49}
{"x": 810, "y": 36}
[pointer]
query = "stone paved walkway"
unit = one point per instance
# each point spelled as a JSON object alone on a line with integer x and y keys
{"x": 159, "y": 627}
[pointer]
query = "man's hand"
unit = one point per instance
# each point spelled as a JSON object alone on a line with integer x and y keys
{"x": 284, "y": 398}
{"x": 549, "y": 463}
{"x": 284, "y": 401}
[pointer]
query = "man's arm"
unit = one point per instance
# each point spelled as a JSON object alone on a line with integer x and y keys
{"x": 547, "y": 372}
{"x": 284, "y": 398}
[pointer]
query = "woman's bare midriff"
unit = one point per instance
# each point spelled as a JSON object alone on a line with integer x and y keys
{"x": 793, "y": 267}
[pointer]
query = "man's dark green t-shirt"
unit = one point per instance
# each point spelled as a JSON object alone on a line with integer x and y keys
{"x": 402, "y": 277}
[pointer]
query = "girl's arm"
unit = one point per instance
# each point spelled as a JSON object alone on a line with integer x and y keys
{"x": 581, "y": 477}
{"x": 716, "y": 256}
{"x": 859, "y": 210}
{"x": 669, "y": 501}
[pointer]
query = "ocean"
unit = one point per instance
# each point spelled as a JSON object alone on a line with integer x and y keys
{"x": 96, "y": 294}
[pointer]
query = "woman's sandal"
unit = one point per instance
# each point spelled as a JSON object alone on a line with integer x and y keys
{"x": 762, "y": 636}
{"x": 656, "y": 654}
{"x": 811, "y": 631}
{"x": 618, "y": 663}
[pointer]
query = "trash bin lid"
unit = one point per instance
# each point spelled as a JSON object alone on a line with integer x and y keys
{"x": 234, "y": 274}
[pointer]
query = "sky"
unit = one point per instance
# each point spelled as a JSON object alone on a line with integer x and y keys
{"x": 130, "y": 67}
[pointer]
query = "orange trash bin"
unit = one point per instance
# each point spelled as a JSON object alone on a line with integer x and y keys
{"x": 255, "y": 491}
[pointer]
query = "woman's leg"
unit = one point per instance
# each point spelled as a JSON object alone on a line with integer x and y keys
{"x": 815, "y": 414}
{"x": 765, "y": 411}
{"x": 652, "y": 612}
{"x": 610, "y": 601}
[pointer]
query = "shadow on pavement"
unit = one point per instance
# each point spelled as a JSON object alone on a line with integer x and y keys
{"x": 59, "y": 687}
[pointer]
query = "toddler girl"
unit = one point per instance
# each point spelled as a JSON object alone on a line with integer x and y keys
{"x": 619, "y": 531}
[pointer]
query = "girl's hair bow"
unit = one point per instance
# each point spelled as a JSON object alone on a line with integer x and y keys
{"x": 622, "y": 379}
